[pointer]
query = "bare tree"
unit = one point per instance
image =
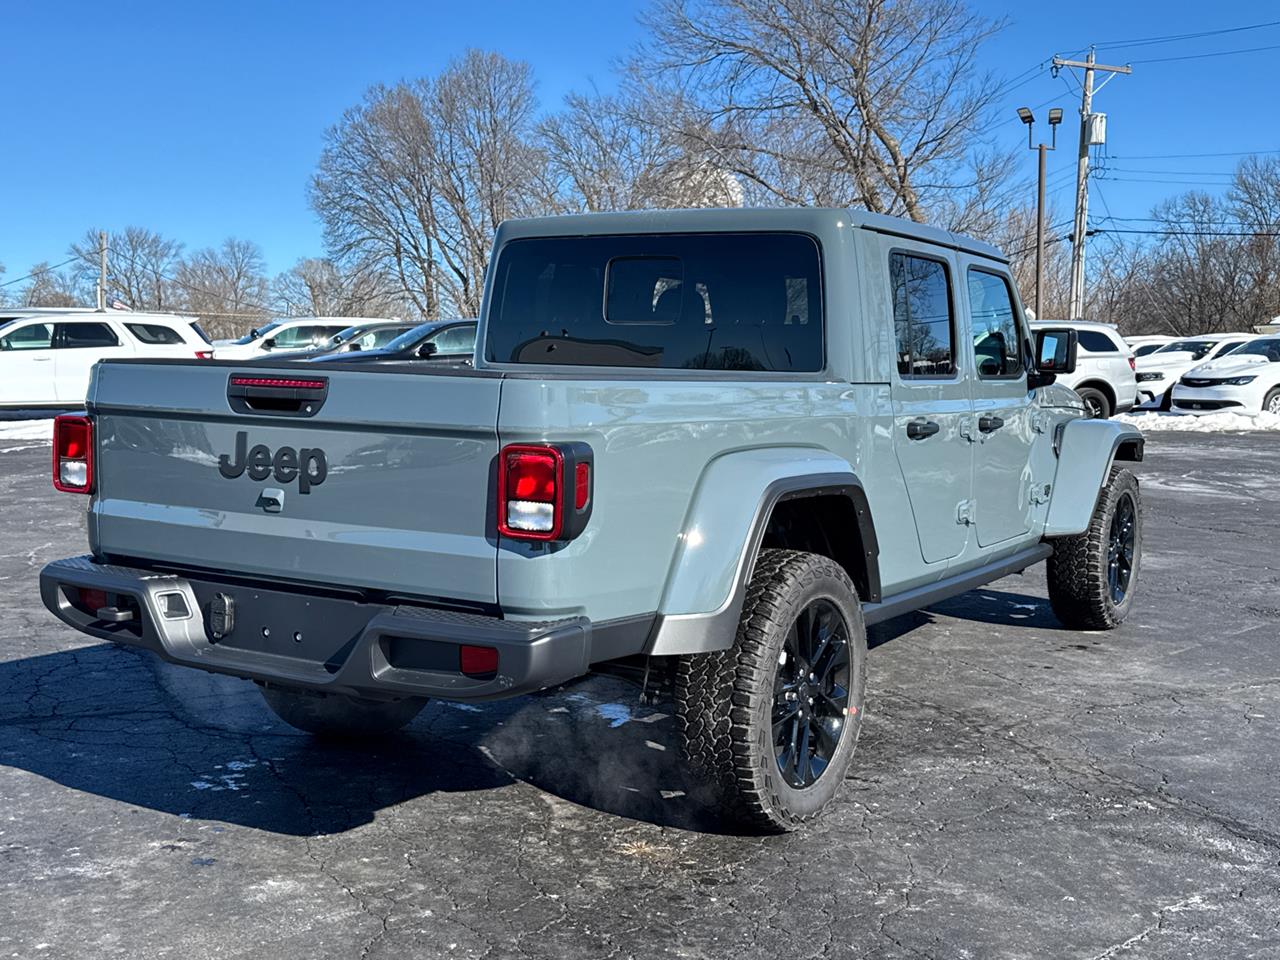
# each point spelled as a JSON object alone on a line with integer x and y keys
{"x": 872, "y": 103}
{"x": 49, "y": 287}
{"x": 226, "y": 286}
{"x": 414, "y": 181}
{"x": 316, "y": 286}
{"x": 141, "y": 264}
{"x": 615, "y": 152}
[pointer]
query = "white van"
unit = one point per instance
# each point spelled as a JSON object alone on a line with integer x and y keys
{"x": 45, "y": 356}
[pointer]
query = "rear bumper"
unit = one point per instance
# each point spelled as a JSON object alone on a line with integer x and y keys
{"x": 325, "y": 643}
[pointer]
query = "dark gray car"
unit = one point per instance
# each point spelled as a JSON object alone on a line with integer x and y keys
{"x": 444, "y": 340}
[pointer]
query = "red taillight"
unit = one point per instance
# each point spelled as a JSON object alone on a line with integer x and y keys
{"x": 73, "y": 454}
{"x": 530, "y": 499}
{"x": 1133, "y": 364}
{"x": 204, "y": 354}
{"x": 477, "y": 661}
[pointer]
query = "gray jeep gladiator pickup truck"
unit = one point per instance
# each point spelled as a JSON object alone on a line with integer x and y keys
{"x": 706, "y": 447}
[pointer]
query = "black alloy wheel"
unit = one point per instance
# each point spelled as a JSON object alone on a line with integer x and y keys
{"x": 1120, "y": 548}
{"x": 811, "y": 693}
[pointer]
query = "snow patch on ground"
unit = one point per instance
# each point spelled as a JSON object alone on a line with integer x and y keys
{"x": 40, "y": 430}
{"x": 1208, "y": 423}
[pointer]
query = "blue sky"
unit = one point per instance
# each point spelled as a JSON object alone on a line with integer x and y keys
{"x": 205, "y": 121}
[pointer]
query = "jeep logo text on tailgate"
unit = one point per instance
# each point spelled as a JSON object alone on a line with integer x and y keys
{"x": 307, "y": 466}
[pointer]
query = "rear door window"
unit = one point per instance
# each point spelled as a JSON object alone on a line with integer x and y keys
{"x": 678, "y": 301}
{"x": 69, "y": 336}
{"x": 923, "y": 322}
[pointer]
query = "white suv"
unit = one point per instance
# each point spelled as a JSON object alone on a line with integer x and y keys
{"x": 45, "y": 358}
{"x": 1104, "y": 375}
{"x": 286, "y": 336}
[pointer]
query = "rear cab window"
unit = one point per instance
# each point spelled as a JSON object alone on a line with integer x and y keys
{"x": 720, "y": 301}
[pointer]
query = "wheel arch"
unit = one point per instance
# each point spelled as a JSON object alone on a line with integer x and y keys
{"x": 1103, "y": 387}
{"x": 807, "y": 500}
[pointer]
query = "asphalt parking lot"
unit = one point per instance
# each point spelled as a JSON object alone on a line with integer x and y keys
{"x": 1019, "y": 791}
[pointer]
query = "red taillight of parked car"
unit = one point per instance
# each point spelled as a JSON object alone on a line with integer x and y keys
{"x": 1133, "y": 364}
{"x": 204, "y": 354}
{"x": 544, "y": 490}
{"x": 73, "y": 454}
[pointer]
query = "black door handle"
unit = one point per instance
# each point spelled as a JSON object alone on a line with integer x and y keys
{"x": 990, "y": 424}
{"x": 920, "y": 429}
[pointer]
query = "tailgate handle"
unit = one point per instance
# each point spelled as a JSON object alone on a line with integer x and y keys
{"x": 277, "y": 396}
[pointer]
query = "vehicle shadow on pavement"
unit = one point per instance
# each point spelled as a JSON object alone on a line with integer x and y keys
{"x": 120, "y": 724}
{"x": 995, "y": 607}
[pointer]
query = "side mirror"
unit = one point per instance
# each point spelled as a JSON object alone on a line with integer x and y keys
{"x": 428, "y": 349}
{"x": 1055, "y": 354}
{"x": 269, "y": 343}
{"x": 354, "y": 346}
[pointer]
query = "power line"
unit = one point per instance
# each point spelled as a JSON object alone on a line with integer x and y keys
{"x": 40, "y": 272}
{"x": 1180, "y": 156}
{"x": 1185, "y": 183}
{"x": 1205, "y": 56}
{"x": 1171, "y": 38}
{"x": 1179, "y": 173}
{"x": 1189, "y": 233}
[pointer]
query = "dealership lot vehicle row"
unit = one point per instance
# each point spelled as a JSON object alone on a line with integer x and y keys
{"x": 1018, "y": 786}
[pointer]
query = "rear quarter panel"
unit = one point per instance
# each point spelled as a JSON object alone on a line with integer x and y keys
{"x": 654, "y": 443}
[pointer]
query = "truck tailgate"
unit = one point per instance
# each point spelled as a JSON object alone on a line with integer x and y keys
{"x": 386, "y": 485}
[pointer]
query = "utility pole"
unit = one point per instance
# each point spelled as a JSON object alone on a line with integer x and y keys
{"x": 102, "y": 270}
{"x": 1080, "y": 227}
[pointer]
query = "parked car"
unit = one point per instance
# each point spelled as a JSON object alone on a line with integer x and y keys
{"x": 284, "y": 336}
{"x": 695, "y": 449}
{"x": 45, "y": 358}
{"x": 361, "y": 336}
{"x": 439, "y": 340}
{"x": 1104, "y": 376}
{"x": 1159, "y": 371}
{"x": 1145, "y": 344}
{"x": 1246, "y": 380}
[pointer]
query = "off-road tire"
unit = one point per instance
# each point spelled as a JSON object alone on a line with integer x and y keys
{"x": 1079, "y": 591}
{"x": 337, "y": 716}
{"x": 1271, "y": 398}
{"x": 725, "y": 699}
{"x": 1095, "y": 398}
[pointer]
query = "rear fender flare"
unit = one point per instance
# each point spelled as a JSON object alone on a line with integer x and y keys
{"x": 721, "y": 536}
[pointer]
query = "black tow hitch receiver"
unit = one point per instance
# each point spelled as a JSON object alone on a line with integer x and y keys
{"x": 222, "y": 615}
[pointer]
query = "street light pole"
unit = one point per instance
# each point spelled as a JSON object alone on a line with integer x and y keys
{"x": 1042, "y": 149}
{"x": 1055, "y": 118}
